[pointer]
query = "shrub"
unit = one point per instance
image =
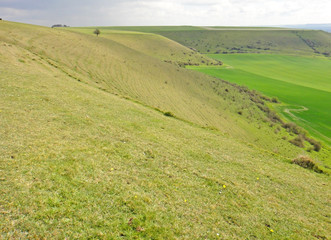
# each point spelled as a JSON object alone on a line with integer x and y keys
{"x": 169, "y": 114}
{"x": 317, "y": 145}
{"x": 275, "y": 100}
{"x": 306, "y": 162}
{"x": 274, "y": 117}
{"x": 292, "y": 127}
{"x": 298, "y": 141}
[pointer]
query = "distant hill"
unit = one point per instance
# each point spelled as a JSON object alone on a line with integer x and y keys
{"x": 325, "y": 27}
{"x": 229, "y": 40}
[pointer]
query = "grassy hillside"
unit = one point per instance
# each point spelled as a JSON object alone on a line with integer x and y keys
{"x": 80, "y": 162}
{"x": 154, "y": 46}
{"x": 149, "y": 29}
{"x": 227, "y": 40}
{"x": 251, "y": 41}
{"x": 320, "y": 43}
{"x": 127, "y": 72}
{"x": 299, "y": 82}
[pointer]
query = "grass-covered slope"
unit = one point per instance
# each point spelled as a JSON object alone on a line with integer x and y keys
{"x": 78, "y": 162}
{"x": 118, "y": 69}
{"x": 298, "y": 42}
{"x": 319, "y": 42}
{"x": 154, "y": 45}
{"x": 149, "y": 29}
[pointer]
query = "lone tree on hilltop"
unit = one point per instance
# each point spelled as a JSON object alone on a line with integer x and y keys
{"x": 96, "y": 32}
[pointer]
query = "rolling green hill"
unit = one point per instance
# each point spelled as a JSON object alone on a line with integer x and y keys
{"x": 87, "y": 150}
{"x": 127, "y": 72}
{"x": 229, "y": 40}
{"x": 154, "y": 45}
{"x": 254, "y": 41}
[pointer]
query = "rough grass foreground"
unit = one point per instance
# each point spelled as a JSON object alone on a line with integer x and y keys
{"x": 79, "y": 163}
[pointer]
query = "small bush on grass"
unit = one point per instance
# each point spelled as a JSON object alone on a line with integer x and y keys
{"x": 316, "y": 145}
{"x": 292, "y": 127}
{"x": 306, "y": 162}
{"x": 169, "y": 114}
{"x": 275, "y": 100}
{"x": 298, "y": 141}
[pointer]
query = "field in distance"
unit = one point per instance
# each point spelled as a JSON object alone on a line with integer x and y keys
{"x": 303, "y": 84}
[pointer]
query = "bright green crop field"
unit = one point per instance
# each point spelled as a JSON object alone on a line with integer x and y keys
{"x": 302, "y": 84}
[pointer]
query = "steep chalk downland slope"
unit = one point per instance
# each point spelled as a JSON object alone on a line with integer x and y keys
{"x": 189, "y": 95}
{"x": 318, "y": 41}
{"x": 78, "y": 162}
{"x": 298, "y": 42}
{"x": 154, "y": 45}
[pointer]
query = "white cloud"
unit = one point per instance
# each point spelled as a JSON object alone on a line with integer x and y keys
{"x": 168, "y": 12}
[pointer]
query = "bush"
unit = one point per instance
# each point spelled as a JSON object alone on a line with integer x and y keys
{"x": 292, "y": 127}
{"x": 275, "y": 100}
{"x": 306, "y": 162}
{"x": 274, "y": 117}
{"x": 169, "y": 114}
{"x": 316, "y": 145}
{"x": 298, "y": 141}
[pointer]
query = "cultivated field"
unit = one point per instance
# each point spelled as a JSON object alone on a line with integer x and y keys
{"x": 299, "y": 82}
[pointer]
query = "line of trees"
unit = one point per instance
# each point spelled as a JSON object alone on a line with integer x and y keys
{"x": 59, "y": 25}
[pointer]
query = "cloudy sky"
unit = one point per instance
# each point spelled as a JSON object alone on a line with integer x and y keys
{"x": 166, "y": 12}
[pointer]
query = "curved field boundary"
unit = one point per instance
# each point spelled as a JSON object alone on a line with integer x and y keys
{"x": 307, "y": 125}
{"x": 290, "y": 110}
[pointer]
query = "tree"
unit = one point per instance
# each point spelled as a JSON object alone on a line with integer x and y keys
{"x": 96, "y": 32}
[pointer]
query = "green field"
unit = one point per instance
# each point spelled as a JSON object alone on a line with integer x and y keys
{"x": 100, "y": 138}
{"x": 299, "y": 82}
